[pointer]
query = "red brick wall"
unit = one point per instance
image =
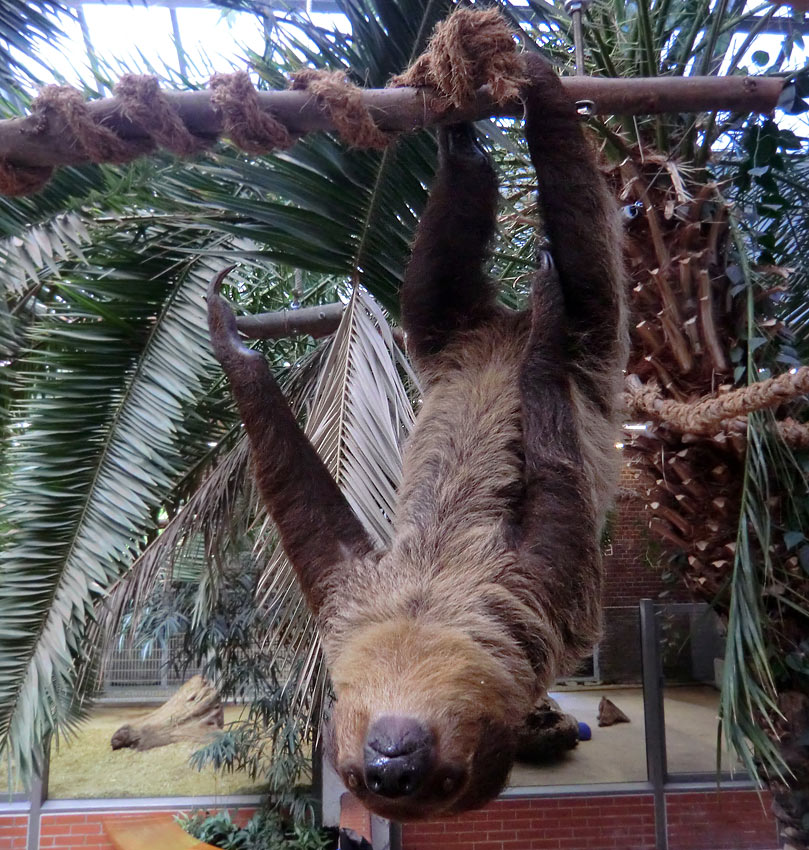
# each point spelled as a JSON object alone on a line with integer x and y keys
{"x": 69, "y": 831}
{"x": 353, "y": 815}
{"x": 543, "y": 823}
{"x": 630, "y": 577}
{"x": 726, "y": 820}
{"x": 13, "y": 832}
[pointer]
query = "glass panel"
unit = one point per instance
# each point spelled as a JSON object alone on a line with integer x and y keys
{"x": 87, "y": 767}
{"x": 16, "y": 787}
{"x": 692, "y": 646}
{"x": 613, "y": 754}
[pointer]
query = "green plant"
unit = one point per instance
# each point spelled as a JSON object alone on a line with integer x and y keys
{"x": 264, "y": 831}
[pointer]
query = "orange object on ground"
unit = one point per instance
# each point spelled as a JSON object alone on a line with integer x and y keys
{"x": 151, "y": 832}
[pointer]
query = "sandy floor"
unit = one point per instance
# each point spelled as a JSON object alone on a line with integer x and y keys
{"x": 617, "y": 753}
{"x": 86, "y": 766}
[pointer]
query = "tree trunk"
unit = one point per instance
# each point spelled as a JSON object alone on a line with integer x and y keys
{"x": 685, "y": 327}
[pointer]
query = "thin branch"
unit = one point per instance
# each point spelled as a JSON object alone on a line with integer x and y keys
{"x": 318, "y": 321}
{"x": 315, "y": 321}
{"x": 42, "y": 140}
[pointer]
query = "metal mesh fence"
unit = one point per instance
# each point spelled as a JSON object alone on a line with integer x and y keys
{"x": 134, "y": 674}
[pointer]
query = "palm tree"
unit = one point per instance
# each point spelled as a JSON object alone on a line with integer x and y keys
{"x": 111, "y": 391}
{"x": 721, "y": 218}
{"x": 100, "y": 449}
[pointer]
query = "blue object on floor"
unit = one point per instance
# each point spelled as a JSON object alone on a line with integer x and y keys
{"x": 584, "y": 732}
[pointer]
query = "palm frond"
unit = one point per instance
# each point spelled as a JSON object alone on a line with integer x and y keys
{"x": 24, "y": 23}
{"x": 101, "y": 434}
{"x": 360, "y": 412}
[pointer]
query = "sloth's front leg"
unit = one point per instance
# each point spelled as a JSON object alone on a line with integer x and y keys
{"x": 318, "y": 529}
{"x": 446, "y": 289}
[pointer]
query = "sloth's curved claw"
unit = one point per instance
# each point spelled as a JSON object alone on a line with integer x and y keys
{"x": 459, "y": 143}
{"x": 545, "y": 261}
{"x": 225, "y": 341}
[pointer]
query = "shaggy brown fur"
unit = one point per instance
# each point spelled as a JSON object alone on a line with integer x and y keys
{"x": 492, "y": 584}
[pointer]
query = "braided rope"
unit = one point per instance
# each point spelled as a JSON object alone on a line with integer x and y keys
{"x": 235, "y": 101}
{"x": 469, "y": 49}
{"x": 99, "y": 143}
{"x": 795, "y": 434}
{"x": 18, "y": 180}
{"x": 144, "y": 104}
{"x": 342, "y": 100}
{"x": 724, "y": 412}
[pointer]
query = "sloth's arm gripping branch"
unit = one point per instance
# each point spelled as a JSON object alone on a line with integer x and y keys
{"x": 576, "y": 341}
{"x": 579, "y": 214}
{"x": 446, "y": 289}
{"x": 317, "y": 526}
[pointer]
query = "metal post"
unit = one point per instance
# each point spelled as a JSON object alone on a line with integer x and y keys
{"x": 178, "y": 43}
{"x": 654, "y": 717}
{"x": 37, "y": 796}
{"x": 576, "y": 9}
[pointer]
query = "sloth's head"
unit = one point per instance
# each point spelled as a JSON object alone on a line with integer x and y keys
{"x": 425, "y": 719}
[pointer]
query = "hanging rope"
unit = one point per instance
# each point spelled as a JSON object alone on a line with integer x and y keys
{"x": 723, "y": 412}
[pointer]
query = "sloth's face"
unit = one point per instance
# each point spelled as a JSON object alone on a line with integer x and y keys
{"x": 423, "y": 722}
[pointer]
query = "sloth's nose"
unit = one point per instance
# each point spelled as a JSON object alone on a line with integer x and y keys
{"x": 398, "y": 756}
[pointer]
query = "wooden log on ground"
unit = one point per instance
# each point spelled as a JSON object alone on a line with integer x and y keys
{"x": 192, "y": 714}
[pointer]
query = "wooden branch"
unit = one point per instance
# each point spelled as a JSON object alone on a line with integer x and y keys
{"x": 193, "y": 713}
{"x": 316, "y": 321}
{"x": 38, "y": 141}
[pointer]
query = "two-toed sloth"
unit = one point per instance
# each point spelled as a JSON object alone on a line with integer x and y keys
{"x": 439, "y": 647}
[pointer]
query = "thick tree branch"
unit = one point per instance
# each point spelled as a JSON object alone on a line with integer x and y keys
{"x": 40, "y": 140}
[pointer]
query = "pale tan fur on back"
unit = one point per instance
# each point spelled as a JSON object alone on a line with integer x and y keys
{"x": 451, "y": 535}
{"x": 452, "y": 559}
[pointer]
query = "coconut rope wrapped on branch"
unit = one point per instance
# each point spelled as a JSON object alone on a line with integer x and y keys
{"x": 471, "y": 70}
{"x": 726, "y": 412}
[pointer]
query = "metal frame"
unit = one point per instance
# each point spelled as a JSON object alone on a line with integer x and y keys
{"x": 654, "y": 716}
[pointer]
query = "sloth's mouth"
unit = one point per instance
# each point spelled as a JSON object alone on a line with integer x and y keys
{"x": 411, "y": 797}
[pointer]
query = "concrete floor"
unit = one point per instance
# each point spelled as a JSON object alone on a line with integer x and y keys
{"x": 617, "y": 753}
